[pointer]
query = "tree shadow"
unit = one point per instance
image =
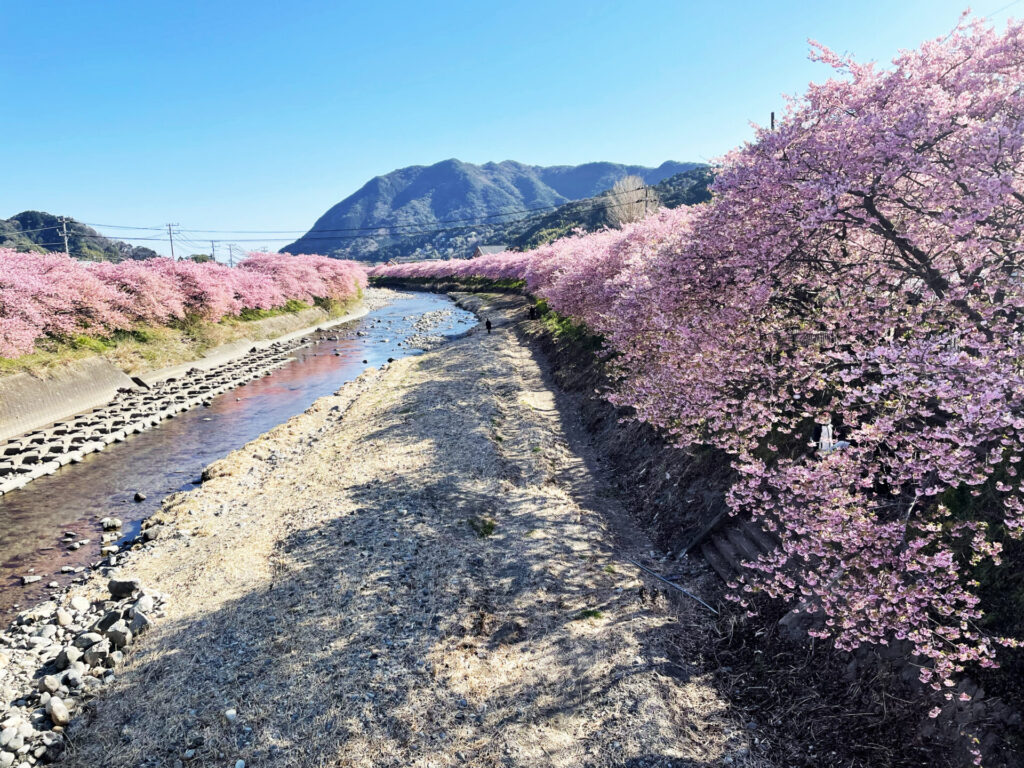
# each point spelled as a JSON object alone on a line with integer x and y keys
{"x": 395, "y": 633}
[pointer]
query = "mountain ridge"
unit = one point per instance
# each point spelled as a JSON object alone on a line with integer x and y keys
{"x": 389, "y": 209}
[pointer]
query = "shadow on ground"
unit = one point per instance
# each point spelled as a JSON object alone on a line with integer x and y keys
{"x": 462, "y": 602}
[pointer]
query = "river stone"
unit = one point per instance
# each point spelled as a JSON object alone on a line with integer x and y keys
{"x": 140, "y": 496}
{"x": 57, "y": 711}
{"x": 110, "y": 523}
{"x": 144, "y": 604}
{"x": 64, "y": 618}
{"x": 26, "y": 580}
{"x": 80, "y": 604}
{"x": 49, "y": 683}
{"x": 109, "y": 619}
{"x": 96, "y": 655}
{"x": 140, "y": 623}
{"x": 6, "y": 759}
{"x": 7, "y": 734}
{"x": 121, "y": 588}
{"x": 119, "y": 634}
{"x": 68, "y": 656}
{"x": 87, "y": 639}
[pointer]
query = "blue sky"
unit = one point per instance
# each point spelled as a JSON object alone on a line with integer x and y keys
{"x": 261, "y": 115}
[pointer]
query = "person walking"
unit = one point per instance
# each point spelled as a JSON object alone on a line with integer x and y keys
{"x": 488, "y": 325}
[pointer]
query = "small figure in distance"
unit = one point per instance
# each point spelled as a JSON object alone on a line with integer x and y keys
{"x": 533, "y": 312}
{"x": 487, "y": 324}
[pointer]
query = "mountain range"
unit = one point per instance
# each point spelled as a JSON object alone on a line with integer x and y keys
{"x": 443, "y": 210}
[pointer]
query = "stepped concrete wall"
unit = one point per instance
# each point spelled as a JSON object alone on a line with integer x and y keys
{"x": 28, "y": 402}
{"x": 40, "y": 431}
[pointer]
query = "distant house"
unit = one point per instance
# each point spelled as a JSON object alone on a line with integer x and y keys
{"x": 483, "y": 250}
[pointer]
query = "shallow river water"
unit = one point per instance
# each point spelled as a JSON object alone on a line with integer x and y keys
{"x": 172, "y": 455}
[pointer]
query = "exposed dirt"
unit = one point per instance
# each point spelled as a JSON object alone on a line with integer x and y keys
{"x": 429, "y": 568}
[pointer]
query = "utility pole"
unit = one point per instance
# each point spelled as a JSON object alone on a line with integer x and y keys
{"x": 170, "y": 236}
{"x": 231, "y": 254}
{"x": 213, "y": 251}
{"x": 64, "y": 232}
{"x": 773, "y": 121}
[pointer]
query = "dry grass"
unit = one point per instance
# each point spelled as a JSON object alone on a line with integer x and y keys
{"x": 325, "y": 584}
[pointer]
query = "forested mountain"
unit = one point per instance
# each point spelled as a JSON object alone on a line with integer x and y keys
{"x": 401, "y": 213}
{"x": 39, "y": 231}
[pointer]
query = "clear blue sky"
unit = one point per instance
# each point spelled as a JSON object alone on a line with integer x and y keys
{"x": 261, "y": 115}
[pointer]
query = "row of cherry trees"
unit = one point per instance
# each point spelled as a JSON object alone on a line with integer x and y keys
{"x": 860, "y": 267}
{"x": 53, "y": 296}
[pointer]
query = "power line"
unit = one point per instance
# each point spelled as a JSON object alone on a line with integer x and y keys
{"x": 383, "y": 226}
{"x": 348, "y": 233}
{"x": 27, "y": 231}
{"x": 118, "y": 226}
{"x": 376, "y": 233}
{"x": 1004, "y": 8}
{"x": 372, "y": 229}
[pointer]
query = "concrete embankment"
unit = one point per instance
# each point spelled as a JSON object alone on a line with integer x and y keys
{"x": 29, "y": 401}
{"x": 86, "y": 406}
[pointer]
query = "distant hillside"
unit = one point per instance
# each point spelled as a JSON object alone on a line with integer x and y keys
{"x": 687, "y": 188}
{"x": 398, "y": 213}
{"x": 523, "y": 233}
{"x": 39, "y": 231}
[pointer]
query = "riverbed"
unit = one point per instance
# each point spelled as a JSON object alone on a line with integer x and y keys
{"x": 171, "y": 457}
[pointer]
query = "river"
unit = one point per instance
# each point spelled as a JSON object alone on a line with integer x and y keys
{"x": 171, "y": 456}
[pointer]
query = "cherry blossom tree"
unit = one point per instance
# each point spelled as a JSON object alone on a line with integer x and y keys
{"x": 857, "y": 271}
{"x": 51, "y": 295}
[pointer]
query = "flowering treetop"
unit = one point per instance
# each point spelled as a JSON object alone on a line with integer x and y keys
{"x": 858, "y": 268}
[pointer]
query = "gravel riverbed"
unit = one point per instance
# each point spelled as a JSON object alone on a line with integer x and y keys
{"x": 424, "y": 569}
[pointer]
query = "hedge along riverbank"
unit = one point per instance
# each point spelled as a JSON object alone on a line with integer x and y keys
{"x": 844, "y": 320}
{"x": 53, "y": 297}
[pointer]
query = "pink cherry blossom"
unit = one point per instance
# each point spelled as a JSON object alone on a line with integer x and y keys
{"x": 857, "y": 268}
{"x": 51, "y": 295}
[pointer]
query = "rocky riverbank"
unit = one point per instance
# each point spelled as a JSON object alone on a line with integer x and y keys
{"x": 428, "y": 568}
{"x": 57, "y": 656}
